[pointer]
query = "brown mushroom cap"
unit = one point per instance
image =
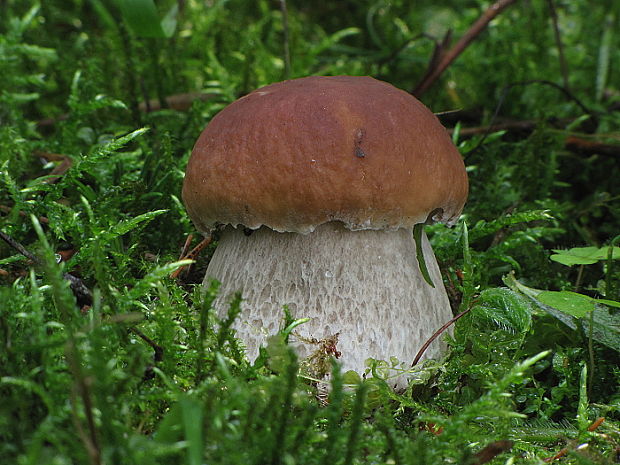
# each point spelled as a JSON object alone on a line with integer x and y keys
{"x": 300, "y": 153}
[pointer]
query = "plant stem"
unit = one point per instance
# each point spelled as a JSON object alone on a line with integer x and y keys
{"x": 287, "y": 54}
{"x": 558, "y": 41}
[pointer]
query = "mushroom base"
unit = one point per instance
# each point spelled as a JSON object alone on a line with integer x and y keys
{"x": 362, "y": 290}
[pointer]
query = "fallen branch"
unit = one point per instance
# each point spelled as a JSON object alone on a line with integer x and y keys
{"x": 588, "y": 146}
{"x": 576, "y": 144}
{"x": 80, "y": 290}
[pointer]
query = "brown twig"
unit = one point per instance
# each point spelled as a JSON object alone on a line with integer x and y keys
{"x": 186, "y": 246}
{"x": 577, "y": 144}
{"x": 492, "y": 450}
{"x": 461, "y": 45}
{"x": 436, "y": 335}
{"x": 564, "y": 451}
{"x": 439, "y": 52}
{"x": 192, "y": 256}
{"x": 6, "y": 209}
{"x": 20, "y": 248}
{"x": 594, "y": 426}
{"x": 507, "y": 126}
{"x": 158, "y": 350}
{"x": 80, "y": 290}
{"x": 587, "y": 146}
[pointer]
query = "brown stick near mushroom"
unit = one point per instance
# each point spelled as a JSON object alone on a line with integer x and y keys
{"x": 437, "y": 67}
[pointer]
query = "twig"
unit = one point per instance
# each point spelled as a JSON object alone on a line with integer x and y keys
{"x": 579, "y": 144}
{"x": 439, "y": 52}
{"x": 186, "y": 246}
{"x": 492, "y": 450}
{"x": 505, "y": 126}
{"x": 192, "y": 255}
{"x": 594, "y": 426}
{"x": 158, "y": 350}
{"x": 80, "y": 290}
{"x": 461, "y": 45}
{"x": 558, "y": 41}
{"x": 6, "y": 209}
{"x": 507, "y": 89}
{"x": 20, "y": 248}
{"x": 564, "y": 451}
{"x": 436, "y": 335}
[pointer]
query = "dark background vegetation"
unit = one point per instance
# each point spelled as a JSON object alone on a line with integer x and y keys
{"x": 93, "y": 156}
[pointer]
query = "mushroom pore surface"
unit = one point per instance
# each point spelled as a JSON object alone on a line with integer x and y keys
{"x": 362, "y": 287}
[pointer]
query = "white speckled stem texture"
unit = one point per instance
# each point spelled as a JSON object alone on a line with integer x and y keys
{"x": 364, "y": 285}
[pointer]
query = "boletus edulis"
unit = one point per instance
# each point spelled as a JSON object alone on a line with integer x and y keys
{"x": 331, "y": 174}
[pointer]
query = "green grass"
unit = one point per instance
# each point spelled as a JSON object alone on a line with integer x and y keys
{"x": 146, "y": 373}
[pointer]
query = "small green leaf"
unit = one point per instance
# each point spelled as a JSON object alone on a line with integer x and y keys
{"x": 604, "y": 251}
{"x": 278, "y": 353}
{"x": 141, "y": 287}
{"x": 583, "y": 255}
{"x": 418, "y": 229}
{"x": 577, "y": 305}
{"x": 351, "y": 377}
{"x": 144, "y": 20}
{"x": 124, "y": 226}
{"x": 287, "y": 331}
{"x": 169, "y": 23}
{"x": 606, "y": 323}
{"x": 609, "y": 303}
{"x": 576, "y": 256}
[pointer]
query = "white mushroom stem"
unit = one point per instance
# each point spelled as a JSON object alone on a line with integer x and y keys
{"x": 364, "y": 286}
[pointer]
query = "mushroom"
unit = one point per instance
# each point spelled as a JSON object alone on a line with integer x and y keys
{"x": 330, "y": 175}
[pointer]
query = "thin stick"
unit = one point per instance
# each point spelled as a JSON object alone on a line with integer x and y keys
{"x": 20, "y": 248}
{"x": 436, "y": 335}
{"x": 188, "y": 243}
{"x": 461, "y": 45}
{"x": 507, "y": 88}
{"x": 159, "y": 350}
{"x": 80, "y": 290}
{"x": 492, "y": 450}
{"x": 191, "y": 255}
